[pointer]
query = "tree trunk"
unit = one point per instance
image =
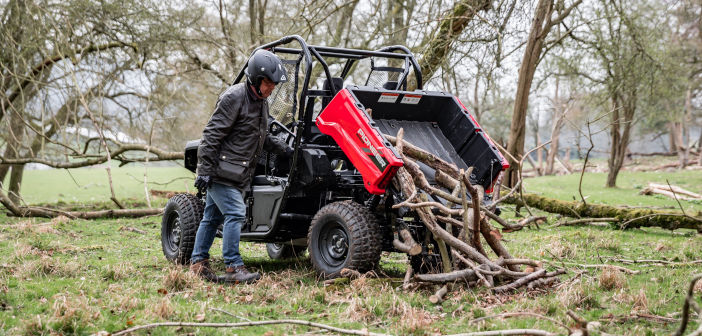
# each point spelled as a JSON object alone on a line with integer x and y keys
{"x": 676, "y": 138}
{"x": 16, "y": 183}
{"x": 620, "y": 141}
{"x": 684, "y": 134}
{"x": 449, "y": 30}
{"x": 558, "y": 123}
{"x": 532, "y": 53}
{"x": 12, "y": 150}
{"x": 252, "y": 22}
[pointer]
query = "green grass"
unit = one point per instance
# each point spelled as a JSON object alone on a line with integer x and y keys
{"x": 92, "y": 184}
{"x": 565, "y": 187}
{"x": 81, "y": 277}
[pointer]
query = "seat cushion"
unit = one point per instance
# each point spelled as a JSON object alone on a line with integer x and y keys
{"x": 261, "y": 180}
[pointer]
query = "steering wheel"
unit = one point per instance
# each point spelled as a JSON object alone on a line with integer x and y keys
{"x": 275, "y": 127}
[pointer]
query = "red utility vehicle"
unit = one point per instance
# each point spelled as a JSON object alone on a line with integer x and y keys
{"x": 335, "y": 196}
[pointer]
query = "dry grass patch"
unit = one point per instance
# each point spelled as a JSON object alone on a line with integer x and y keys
{"x": 121, "y": 299}
{"x": 163, "y": 309}
{"x": 178, "y": 279}
{"x": 47, "y": 265}
{"x": 23, "y": 250}
{"x": 560, "y": 248}
{"x": 32, "y": 326}
{"x": 576, "y": 294}
{"x": 609, "y": 244}
{"x": 118, "y": 272}
{"x": 359, "y": 310}
{"x": 71, "y": 313}
{"x": 415, "y": 320}
{"x": 611, "y": 278}
{"x": 640, "y": 302}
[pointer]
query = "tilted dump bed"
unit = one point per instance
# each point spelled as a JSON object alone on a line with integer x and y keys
{"x": 434, "y": 121}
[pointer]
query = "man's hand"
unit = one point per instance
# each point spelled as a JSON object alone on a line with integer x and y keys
{"x": 202, "y": 182}
{"x": 289, "y": 151}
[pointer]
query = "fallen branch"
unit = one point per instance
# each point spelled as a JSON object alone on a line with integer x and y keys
{"x": 407, "y": 245}
{"x": 430, "y": 159}
{"x": 517, "y": 314}
{"x": 639, "y": 316}
{"x": 591, "y": 221}
{"x": 519, "y": 282}
{"x": 619, "y": 268}
{"x": 437, "y": 205}
{"x": 160, "y": 155}
{"x": 657, "y": 262}
{"x": 508, "y": 332}
{"x": 464, "y": 274}
{"x": 245, "y": 324}
{"x": 672, "y": 192}
{"x": 131, "y": 229}
{"x": 456, "y": 195}
{"x": 676, "y": 189}
{"x": 631, "y": 217}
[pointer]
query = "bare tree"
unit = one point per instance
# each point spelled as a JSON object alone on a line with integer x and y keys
{"x": 546, "y": 15}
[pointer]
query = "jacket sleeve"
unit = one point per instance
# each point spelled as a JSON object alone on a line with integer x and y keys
{"x": 217, "y": 129}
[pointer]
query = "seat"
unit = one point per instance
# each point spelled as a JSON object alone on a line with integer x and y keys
{"x": 338, "y": 85}
{"x": 263, "y": 180}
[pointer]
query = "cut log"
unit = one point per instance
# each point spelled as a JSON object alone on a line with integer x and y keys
{"x": 439, "y": 295}
{"x": 670, "y": 191}
{"x": 632, "y": 217}
{"x": 676, "y": 189}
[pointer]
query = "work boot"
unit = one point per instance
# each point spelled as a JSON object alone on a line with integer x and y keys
{"x": 202, "y": 268}
{"x": 239, "y": 274}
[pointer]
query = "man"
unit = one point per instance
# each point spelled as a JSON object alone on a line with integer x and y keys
{"x": 229, "y": 150}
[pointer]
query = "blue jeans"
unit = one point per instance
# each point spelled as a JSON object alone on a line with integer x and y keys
{"x": 224, "y": 203}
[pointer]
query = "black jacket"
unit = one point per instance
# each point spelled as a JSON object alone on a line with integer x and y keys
{"x": 234, "y": 137}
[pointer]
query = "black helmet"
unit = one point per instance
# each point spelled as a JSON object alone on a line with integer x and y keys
{"x": 264, "y": 63}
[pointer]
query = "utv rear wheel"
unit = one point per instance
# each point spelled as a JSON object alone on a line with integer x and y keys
{"x": 181, "y": 218}
{"x": 278, "y": 251}
{"x": 344, "y": 235}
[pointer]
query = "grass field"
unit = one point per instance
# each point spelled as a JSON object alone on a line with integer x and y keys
{"x": 91, "y": 184}
{"x": 80, "y": 277}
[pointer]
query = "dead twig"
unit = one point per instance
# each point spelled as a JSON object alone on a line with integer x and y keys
{"x": 656, "y": 262}
{"x": 507, "y": 332}
{"x": 519, "y": 314}
{"x": 245, "y": 324}
{"x": 591, "y": 221}
{"x": 689, "y": 300}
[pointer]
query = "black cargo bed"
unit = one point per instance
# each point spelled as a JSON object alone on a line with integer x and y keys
{"x": 436, "y": 122}
{"x": 427, "y": 136}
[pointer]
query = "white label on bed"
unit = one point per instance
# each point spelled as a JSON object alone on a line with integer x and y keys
{"x": 411, "y": 99}
{"x": 388, "y": 97}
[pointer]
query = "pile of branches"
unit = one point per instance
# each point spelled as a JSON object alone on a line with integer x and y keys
{"x": 457, "y": 224}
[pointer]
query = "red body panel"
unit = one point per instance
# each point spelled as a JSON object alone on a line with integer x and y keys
{"x": 362, "y": 143}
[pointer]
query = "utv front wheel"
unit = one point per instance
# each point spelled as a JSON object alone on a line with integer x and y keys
{"x": 181, "y": 218}
{"x": 344, "y": 235}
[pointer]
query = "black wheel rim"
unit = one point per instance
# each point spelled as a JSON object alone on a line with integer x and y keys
{"x": 173, "y": 232}
{"x": 277, "y": 247}
{"x": 333, "y": 244}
